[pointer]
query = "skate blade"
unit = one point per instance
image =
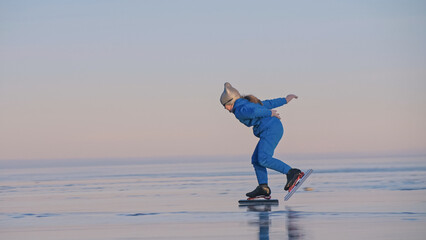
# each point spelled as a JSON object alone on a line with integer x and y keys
{"x": 259, "y": 198}
{"x": 258, "y": 202}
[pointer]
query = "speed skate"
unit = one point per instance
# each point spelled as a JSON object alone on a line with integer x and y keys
{"x": 297, "y": 185}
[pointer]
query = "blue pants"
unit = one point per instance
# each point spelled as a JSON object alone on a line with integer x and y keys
{"x": 262, "y": 156}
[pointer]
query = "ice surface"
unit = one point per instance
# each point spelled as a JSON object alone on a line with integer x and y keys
{"x": 352, "y": 198}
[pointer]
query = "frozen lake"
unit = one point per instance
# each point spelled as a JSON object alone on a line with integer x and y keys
{"x": 352, "y": 198}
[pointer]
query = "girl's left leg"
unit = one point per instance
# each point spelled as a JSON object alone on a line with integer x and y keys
{"x": 266, "y": 147}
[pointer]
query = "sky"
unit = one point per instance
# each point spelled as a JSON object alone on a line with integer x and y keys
{"x": 142, "y": 79}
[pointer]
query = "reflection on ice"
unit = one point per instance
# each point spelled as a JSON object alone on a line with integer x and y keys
{"x": 294, "y": 230}
{"x": 263, "y": 221}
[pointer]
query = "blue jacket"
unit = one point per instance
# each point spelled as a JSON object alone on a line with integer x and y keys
{"x": 255, "y": 115}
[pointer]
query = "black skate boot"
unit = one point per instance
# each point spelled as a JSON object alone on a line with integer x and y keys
{"x": 261, "y": 191}
{"x": 292, "y": 177}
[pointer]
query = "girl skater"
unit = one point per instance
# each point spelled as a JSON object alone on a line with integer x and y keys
{"x": 267, "y": 126}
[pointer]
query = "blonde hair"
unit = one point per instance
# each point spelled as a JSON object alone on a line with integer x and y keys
{"x": 253, "y": 99}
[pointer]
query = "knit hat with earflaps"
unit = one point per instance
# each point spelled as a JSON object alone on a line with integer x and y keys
{"x": 229, "y": 95}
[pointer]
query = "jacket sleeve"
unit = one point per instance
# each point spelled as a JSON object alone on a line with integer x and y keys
{"x": 274, "y": 103}
{"x": 252, "y": 111}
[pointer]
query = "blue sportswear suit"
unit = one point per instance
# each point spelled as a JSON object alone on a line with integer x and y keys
{"x": 270, "y": 131}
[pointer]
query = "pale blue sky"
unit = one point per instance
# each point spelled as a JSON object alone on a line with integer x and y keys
{"x": 95, "y": 79}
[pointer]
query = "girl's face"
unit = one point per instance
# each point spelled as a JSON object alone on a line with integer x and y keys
{"x": 229, "y": 107}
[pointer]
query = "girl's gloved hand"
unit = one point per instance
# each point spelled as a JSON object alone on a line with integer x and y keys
{"x": 290, "y": 97}
{"x": 275, "y": 114}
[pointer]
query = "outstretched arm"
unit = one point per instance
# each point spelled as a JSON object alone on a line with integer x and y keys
{"x": 274, "y": 103}
{"x": 278, "y": 102}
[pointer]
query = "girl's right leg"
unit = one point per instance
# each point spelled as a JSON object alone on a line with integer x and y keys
{"x": 261, "y": 172}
